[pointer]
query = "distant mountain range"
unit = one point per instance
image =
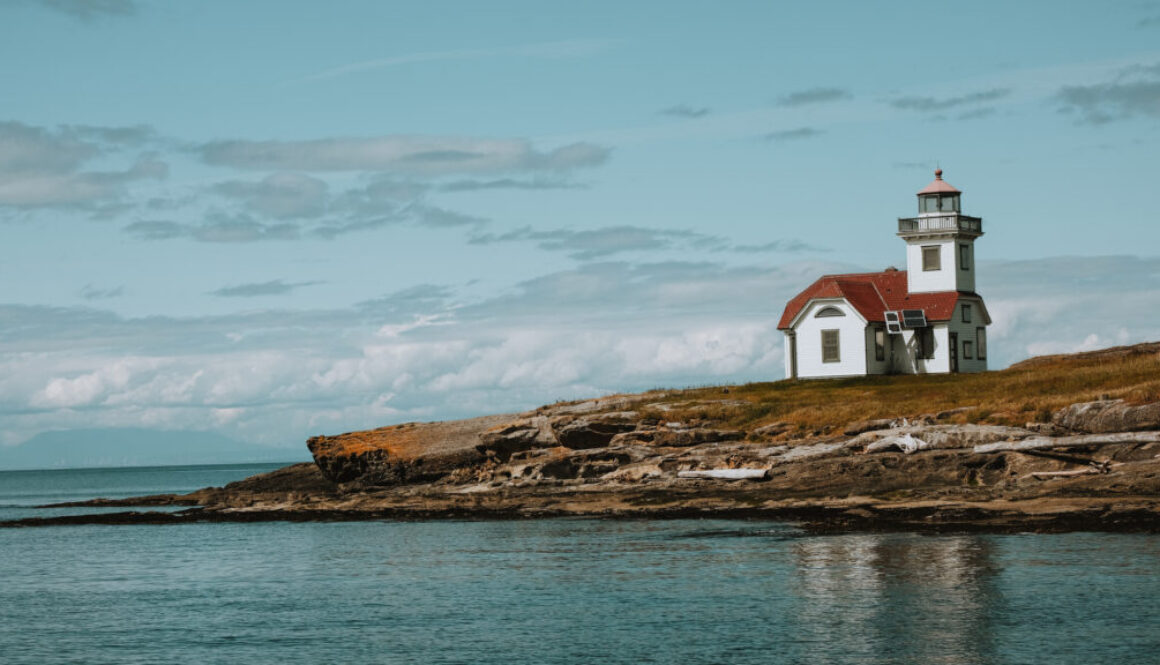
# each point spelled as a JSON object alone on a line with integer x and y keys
{"x": 79, "y": 448}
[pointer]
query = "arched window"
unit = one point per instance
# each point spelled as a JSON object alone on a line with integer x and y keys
{"x": 829, "y": 311}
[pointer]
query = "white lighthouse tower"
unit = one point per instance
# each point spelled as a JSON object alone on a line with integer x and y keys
{"x": 940, "y": 242}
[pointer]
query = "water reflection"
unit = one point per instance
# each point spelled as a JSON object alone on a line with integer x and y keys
{"x": 922, "y": 600}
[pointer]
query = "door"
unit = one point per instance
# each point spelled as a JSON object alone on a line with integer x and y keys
{"x": 954, "y": 349}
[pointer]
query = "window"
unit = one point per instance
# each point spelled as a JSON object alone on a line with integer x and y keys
{"x": 966, "y": 313}
{"x": 965, "y": 257}
{"x": 967, "y": 349}
{"x": 981, "y": 340}
{"x": 924, "y": 339}
{"x": 830, "y": 351}
{"x": 829, "y": 311}
{"x": 931, "y": 260}
{"x": 879, "y": 344}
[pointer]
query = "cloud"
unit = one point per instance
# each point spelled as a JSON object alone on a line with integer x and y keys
{"x": 574, "y": 48}
{"x": 219, "y": 227}
{"x": 426, "y": 352}
{"x": 1135, "y": 92}
{"x": 814, "y": 96}
{"x": 279, "y": 195}
{"x": 90, "y": 292}
{"x": 506, "y": 183}
{"x": 87, "y": 10}
{"x": 42, "y": 168}
{"x": 276, "y": 287}
{"x": 685, "y": 111}
{"x": 793, "y": 134}
{"x": 400, "y": 154}
{"x": 932, "y": 104}
{"x": 592, "y": 244}
{"x": 786, "y": 245}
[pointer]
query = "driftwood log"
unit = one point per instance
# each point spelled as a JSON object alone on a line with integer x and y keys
{"x": 1043, "y": 442}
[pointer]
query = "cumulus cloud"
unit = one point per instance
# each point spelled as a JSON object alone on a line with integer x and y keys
{"x": 427, "y": 156}
{"x": 814, "y": 96}
{"x": 933, "y": 104}
{"x": 1135, "y": 92}
{"x": 793, "y": 134}
{"x": 423, "y": 352}
{"x": 685, "y": 111}
{"x": 275, "y": 287}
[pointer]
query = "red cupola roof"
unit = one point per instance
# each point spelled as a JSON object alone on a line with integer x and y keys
{"x": 938, "y": 186}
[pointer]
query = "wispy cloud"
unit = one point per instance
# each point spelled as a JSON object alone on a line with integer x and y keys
{"x": 279, "y": 195}
{"x": 45, "y": 167}
{"x": 599, "y": 243}
{"x": 87, "y": 10}
{"x": 572, "y": 48}
{"x": 793, "y": 134}
{"x": 932, "y": 104}
{"x": 507, "y": 183}
{"x": 1135, "y": 91}
{"x": 814, "y": 96}
{"x": 784, "y": 245}
{"x": 90, "y": 292}
{"x": 427, "y": 156}
{"x": 220, "y": 227}
{"x": 275, "y": 287}
{"x": 685, "y": 111}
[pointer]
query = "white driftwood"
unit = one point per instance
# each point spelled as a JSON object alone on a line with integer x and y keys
{"x": 725, "y": 474}
{"x": 906, "y": 443}
{"x": 1041, "y": 442}
{"x": 1043, "y": 475}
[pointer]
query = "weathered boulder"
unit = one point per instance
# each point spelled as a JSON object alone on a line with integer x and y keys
{"x": 854, "y": 429}
{"x": 399, "y": 454}
{"x": 936, "y": 436}
{"x": 772, "y": 429}
{"x": 1108, "y": 416}
{"x": 582, "y": 433}
{"x": 694, "y": 436}
{"x": 517, "y": 436}
{"x": 588, "y": 464}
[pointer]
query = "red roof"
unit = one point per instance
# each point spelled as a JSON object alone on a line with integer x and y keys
{"x": 872, "y": 294}
{"x": 938, "y": 186}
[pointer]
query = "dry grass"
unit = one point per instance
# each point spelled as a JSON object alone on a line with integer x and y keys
{"x": 1028, "y": 391}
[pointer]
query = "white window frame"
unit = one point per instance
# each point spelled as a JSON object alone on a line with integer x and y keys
{"x": 837, "y": 345}
{"x": 936, "y": 252}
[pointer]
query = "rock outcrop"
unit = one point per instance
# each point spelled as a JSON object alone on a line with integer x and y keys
{"x": 1108, "y": 416}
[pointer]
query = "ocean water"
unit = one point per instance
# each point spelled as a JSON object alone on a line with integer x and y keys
{"x": 556, "y": 591}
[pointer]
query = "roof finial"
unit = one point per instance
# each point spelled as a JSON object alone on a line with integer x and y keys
{"x": 938, "y": 174}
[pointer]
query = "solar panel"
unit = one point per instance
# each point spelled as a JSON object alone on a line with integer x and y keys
{"x": 913, "y": 318}
{"x": 893, "y": 325}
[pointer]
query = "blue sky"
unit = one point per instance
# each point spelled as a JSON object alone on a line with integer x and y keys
{"x": 275, "y": 219}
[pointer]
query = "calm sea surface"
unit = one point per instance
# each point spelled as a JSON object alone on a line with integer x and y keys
{"x": 552, "y": 591}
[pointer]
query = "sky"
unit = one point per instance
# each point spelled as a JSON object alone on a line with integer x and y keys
{"x": 266, "y": 220}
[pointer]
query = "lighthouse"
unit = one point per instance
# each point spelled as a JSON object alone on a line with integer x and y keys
{"x": 926, "y": 319}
